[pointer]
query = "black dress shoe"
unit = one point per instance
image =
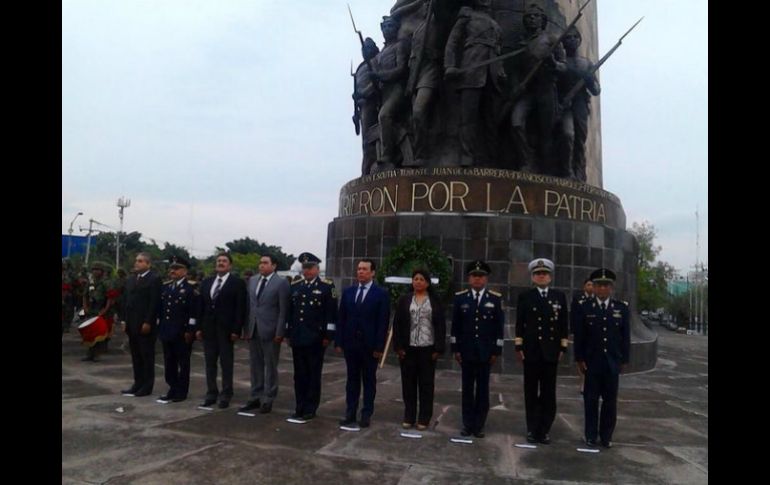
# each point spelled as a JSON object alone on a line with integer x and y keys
{"x": 142, "y": 393}
{"x": 531, "y": 437}
{"x": 308, "y": 416}
{"x": 224, "y": 404}
{"x": 590, "y": 442}
{"x": 348, "y": 421}
{"x": 179, "y": 399}
{"x": 479, "y": 434}
{"x": 364, "y": 423}
{"x": 208, "y": 402}
{"x": 249, "y": 406}
{"x": 164, "y": 397}
{"x": 545, "y": 439}
{"x": 128, "y": 391}
{"x": 295, "y": 416}
{"x": 465, "y": 432}
{"x": 607, "y": 444}
{"x": 265, "y": 408}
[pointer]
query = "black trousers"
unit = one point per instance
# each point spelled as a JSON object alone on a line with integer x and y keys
{"x": 600, "y": 382}
{"x": 475, "y": 394}
{"x": 539, "y": 395}
{"x": 218, "y": 346}
{"x": 143, "y": 361}
{"x": 418, "y": 371}
{"x": 308, "y": 367}
{"x": 176, "y": 360}
{"x": 362, "y": 368}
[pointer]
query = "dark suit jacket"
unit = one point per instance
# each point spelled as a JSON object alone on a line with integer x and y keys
{"x": 603, "y": 334}
{"x": 402, "y": 324}
{"x": 541, "y": 325}
{"x": 365, "y": 325}
{"x": 178, "y": 306}
{"x": 477, "y": 331}
{"x": 142, "y": 302}
{"x": 228, "y": 311}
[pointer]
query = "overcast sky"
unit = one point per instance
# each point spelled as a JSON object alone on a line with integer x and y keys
{"x": 227, "y": 119}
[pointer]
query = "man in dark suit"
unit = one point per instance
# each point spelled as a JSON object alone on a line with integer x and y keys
{"x": 362, "y": 324}
{"x": 541, "y": 340}
{"x": 141, "y": 312}
{"x": 602, "y": 346}
{"x": 180, "y": 305}
{"x": 311, "y": 324}
{"x": 477, "y": 340}
{"x": 264, "y": 330}
{"x": 223, "y": 312}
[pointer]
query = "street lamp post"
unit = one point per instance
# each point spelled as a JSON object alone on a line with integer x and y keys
{"x": 122, "y": 204}
{"x": 69, "y": 240}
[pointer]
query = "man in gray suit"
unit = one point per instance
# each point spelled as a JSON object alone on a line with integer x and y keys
{"x": 264, "y": 330}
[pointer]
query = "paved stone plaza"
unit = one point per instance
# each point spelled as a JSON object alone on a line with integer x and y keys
{"x": 661, "y": 435}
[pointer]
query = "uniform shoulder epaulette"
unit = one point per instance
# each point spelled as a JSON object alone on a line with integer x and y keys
{"x": 328, "y": 281}
{"x": 497, "y": 294}
{"x": 461, "y": 292}
{"x": 296, "y": 281}
{"x": 192, "y": 282}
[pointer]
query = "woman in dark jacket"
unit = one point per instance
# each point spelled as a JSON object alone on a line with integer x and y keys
{"x": 419, "y": 334}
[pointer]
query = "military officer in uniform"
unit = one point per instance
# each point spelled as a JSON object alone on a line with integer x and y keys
{"x": 574, "y": 311}
{"x": 602, "y": 345}
{"x": 541, "y": 340}
{"x": 311, "y": 324}
{"x": 476, "y": 340}
{"x": 180, "y": 306}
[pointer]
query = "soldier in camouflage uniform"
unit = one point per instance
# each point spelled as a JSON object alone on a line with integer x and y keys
{"x": 67, "y": 296}
{"x": 97, "y": 301}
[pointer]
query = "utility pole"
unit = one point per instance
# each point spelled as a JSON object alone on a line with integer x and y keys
{"x": 69, "y": 240}
{"x": 88, "y": 241}
{"x": 122, "y": 204}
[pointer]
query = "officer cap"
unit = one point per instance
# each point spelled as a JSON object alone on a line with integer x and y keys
{"x": 541, "y": 264}
{"x": 308, "y": 260}
{"x": 477, "y": 268}
{"x": 177, "y": 261}
{"x": 603, "y": 275}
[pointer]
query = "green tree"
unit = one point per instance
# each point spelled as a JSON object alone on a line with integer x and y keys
{"x": 651, "y": 274}
{"x": 247, "y": 245}
{"x": 243, "y": 262}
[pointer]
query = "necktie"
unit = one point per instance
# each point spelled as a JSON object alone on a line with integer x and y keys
{"x": 544, "y": 294}
{"x": 360, "y": 297}
{"x": 261, "y": 287}
{"x": 217, "y": 289}
{"x": 478, "y": 294}
{"x": 604, "y": 305}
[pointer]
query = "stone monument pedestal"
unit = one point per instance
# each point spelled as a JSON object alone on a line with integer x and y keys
{"x": 504, "y": 217}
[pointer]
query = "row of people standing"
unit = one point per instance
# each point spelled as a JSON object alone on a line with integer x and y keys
{"x": 223, "y": 310}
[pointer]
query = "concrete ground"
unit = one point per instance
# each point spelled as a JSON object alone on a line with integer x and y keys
{"x": 661, "y": 434}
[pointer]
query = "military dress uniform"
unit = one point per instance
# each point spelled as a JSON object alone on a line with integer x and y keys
{"x": 312, "y": 320}
{"x": 602, "y": 342}
{"x": 477, "y": 335}
{"x": 541, "y": 334}
{"x": 180, "y": 308}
